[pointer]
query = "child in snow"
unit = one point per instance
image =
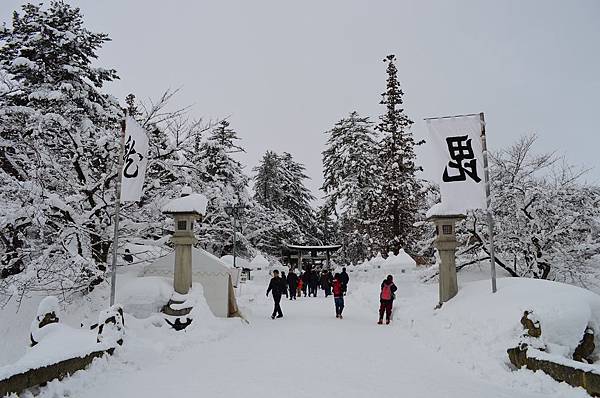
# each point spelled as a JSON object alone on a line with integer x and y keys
{"x": 338, "y": 295}
{"x": 386, "y": 299}
{"x": 278, "y": 287}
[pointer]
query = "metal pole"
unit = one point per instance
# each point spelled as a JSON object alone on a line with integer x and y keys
{"x": 490, "y": 220}
{"x": 234, "y": 237}
{"x": 113, "y": 277}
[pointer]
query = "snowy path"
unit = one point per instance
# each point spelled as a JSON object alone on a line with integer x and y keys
{"x": 309, "y": 353}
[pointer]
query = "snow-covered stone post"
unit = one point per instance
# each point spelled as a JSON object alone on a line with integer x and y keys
{"x": 185, "y": 210}
{"x": 446, "y": 244}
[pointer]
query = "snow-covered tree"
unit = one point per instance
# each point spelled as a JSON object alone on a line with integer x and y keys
{"x": 351, "y": 179}
{"x": 171, "y": 134}
{"x": 297, "y": 201}
{"x": 221, "y": 178}
{"x": 547, "y": 223}
{"x": 57, "y": 152}
{"x": 401, "y": 191}
{"x": 279, "y": 186}
{"x": 268, "y": 180}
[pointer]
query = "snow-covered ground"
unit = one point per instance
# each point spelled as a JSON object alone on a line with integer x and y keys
{"x": 458, "y": 351}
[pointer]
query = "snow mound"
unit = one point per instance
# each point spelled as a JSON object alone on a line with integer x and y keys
{"x": 259, "y": 261}
{"x": 60, "y": 342}
{"x": 564, "y": 311}
{"x": 144, "y": 296}
{"x": 477, "y": 326}
{"x": 239, "y": 261}
{"x": 401, "y": 262}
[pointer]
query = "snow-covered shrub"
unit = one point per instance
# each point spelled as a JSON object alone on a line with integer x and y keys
{"x": 111, "y": 329}
{"x": 47, "y": 313}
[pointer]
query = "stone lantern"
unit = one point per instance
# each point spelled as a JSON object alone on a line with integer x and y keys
{"x": 186, "y": 210}
{"x": 446, "y": 244}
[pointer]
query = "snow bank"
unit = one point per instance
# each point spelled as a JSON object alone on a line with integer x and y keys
{"x": 259, "y": 261}
{"x": 143, "y": 296}
{"x": 401, "y": 262}
{"x": 60, "y": 342}
{"x": 477, "y": 327}
{"x": 239, "y": 261}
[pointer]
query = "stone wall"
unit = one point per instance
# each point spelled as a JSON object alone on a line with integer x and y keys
{"x": 34, "y": 377}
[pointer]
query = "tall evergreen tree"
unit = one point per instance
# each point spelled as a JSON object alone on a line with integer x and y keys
{"x": 221, "y": 178}
{"x": 298, "y": 198}
{"x": 279, "y": 185}
{"x": 268, "y": 181}
{"x": 401, "y": 196}
{"x": 351, "y": 178}
{"x": 58, "y": 149}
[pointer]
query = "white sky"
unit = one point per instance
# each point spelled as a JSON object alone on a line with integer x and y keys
{"x": 285, "y": 72}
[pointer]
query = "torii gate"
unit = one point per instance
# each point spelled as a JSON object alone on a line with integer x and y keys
{"x": 294, "y": 254}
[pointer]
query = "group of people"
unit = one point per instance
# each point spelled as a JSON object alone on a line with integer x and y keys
{"x": 309, "y": 282}
{"x": 336, "y": 285}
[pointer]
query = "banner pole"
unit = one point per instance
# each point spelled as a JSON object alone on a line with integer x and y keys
{"x": 490, "y": 220}
{"x": 113, "y": 277}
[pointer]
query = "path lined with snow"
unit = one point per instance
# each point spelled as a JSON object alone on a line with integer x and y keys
{"x": 308, "y": 353}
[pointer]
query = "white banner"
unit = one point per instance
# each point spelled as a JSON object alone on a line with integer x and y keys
{"x": 135, "y": 160}
{"x": 459, "y": 157}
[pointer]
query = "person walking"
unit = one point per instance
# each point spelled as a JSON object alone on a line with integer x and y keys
{"x": 304, "y": 280}
{"x": 326, "y": 283}
{"x": 313, "y": 280}
{"x": 284, "y": 280}
{"x": 344, "y": 278}
{"x": 292, "y": 282}
{"x": 338, "y": 295}
{"x": 386, "y": 299}
{"x": 277, "y": 287}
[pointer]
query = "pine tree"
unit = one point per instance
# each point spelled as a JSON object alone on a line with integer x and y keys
{"x": 220, "y": 177}
{"x": 279, "y": 186}
{"x": 267, "y": 181}
{"x": 58, "y": 150}
{"x": 401, "y": 196}
{"x": 351, "y": 178}
{"x": 297, "y": 200}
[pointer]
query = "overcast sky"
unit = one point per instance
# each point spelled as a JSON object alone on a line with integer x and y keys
{"x": 285, "y": 71}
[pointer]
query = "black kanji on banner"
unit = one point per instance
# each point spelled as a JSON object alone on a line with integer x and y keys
{"x": 463, "y": 160}
{"x": 130, "y": 153}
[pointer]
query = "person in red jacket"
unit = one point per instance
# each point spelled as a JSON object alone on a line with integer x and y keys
{"x": 386, "y": 299}
{"x": 338, "y": 295}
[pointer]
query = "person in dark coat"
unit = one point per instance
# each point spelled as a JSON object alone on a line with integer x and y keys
{"x": 338, "y": 295}
{"x": 344, "y": 278}
{"x": 292, "y": 282}
{"x": 313, "y": 281}
{"x": 284, "y": 280}
{"x": 326, "y": 283}
{"x": 386, "y": 299}
{"x": 278, "y": 287}
{"x": 304, "y": 278}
